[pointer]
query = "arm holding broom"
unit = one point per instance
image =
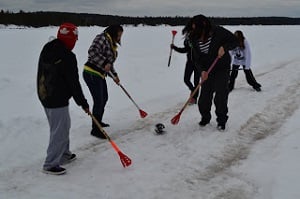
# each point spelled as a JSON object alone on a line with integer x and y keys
{"x": 170, "y": 55}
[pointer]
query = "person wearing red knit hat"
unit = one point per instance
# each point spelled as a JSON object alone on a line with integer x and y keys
{"x": 68, "y": 34}
{"x": 57, "y": 82}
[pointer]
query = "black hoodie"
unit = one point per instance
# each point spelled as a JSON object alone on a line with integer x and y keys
{"x": 57, "y": 78}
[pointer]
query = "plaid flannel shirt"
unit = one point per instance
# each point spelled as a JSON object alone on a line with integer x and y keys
{"x": 101, "y": 53}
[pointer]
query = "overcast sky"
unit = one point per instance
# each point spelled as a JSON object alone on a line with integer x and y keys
{"x": 215, "y": 8}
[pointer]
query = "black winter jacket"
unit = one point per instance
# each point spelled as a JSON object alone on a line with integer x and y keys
{"x": 186, "y": 49}
{"x": 220, "y": 37}
{"x": 57, "y": 78}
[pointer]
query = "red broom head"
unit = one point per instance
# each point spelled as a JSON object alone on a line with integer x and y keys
{"x": 125, "y": 160}
{"x": 143, "y": 113}
{"x": 176, "y": 119}
{"x": 174, "y": 32}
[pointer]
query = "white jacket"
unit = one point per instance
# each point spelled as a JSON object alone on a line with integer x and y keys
{"x": 242, "y": 56}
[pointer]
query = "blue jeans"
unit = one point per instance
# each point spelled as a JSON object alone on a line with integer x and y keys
{"x": 98, "y": 89}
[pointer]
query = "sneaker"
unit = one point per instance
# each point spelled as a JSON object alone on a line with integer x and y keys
{"x": 98, "y": 134}
{"x": 203, "y": 123}
{"x": 221, "y": 127}
{"x": 70, "y": 159}
{"x": 104, "y": 124}
{"x": 57, "y": 170}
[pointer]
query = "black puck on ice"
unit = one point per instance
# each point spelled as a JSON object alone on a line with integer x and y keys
{"x": 159, "y": 128}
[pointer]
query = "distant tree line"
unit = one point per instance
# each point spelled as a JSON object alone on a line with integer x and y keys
{"x": 41, "y": 19}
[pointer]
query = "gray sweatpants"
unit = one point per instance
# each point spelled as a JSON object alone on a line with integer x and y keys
{"x": 59, "y": 143}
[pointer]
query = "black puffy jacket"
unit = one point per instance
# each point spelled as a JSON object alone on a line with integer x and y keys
{"x": 57, "y": 78}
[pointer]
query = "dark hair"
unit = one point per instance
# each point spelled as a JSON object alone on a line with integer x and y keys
{"x": 113, "y": 31}
{"x": 187, "y": 28}
{"x": 186, "y": 31}
{"x": 240, "y": 37}
{"x": 202, "y": 27}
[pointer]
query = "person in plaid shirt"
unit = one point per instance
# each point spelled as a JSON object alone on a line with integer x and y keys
{"x": 101, "y": 57}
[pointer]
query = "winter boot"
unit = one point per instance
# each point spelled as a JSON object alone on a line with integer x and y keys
{"x": 95, "y": 129}
{"x": 204, "y": 122}
{"x": 221, "y": 127}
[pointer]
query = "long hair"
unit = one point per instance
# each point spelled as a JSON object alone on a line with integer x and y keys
{"x": 186, "y": 31}
{"x": 240, "y": 37}
{"x": 113, "y": 31}
{"x": 187, "y": 28}
{"x": 201, "y": 27}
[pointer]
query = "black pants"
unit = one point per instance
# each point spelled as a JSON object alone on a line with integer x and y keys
{"x": 215, "y": 88}
{"x": 190, "y": 68}
{"x": 249, "y": 77}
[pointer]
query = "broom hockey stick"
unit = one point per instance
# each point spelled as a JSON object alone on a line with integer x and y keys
{"x": 125, "y": 160}
{"x": 170, "y": 55}
{"x": 142, "y": 113}
{"x": 176, "y": 118}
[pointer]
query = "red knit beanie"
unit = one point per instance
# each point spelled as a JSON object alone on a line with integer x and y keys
{"x": 68, "y": 34}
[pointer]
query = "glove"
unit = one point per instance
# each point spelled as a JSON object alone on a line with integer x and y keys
{"x": 85, "y": 107}
{"x": 117, "y": 80}
{"x": 87, "y": 110}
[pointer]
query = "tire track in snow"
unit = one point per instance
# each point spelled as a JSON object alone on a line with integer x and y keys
{"x": 261, "y": 125}
{"x": 280, "y": 66}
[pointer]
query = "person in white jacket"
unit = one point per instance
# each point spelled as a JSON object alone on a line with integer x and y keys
{"x": 241, "y": 56}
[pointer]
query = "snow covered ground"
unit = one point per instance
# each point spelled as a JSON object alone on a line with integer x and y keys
{"x": 257, "y": 157}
